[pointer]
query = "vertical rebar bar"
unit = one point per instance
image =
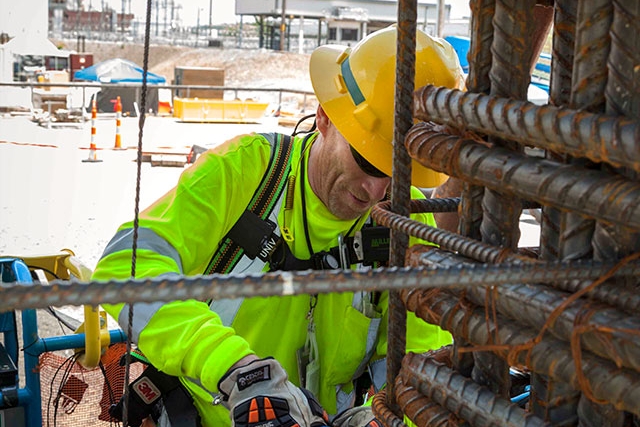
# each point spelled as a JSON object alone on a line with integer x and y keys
{"x": 622, "y": 96}
{"x": 400, "y": 187}
{"x": 479, "y": 58}
{"x": 509, "y": 76}
{"x": 552, "y": 400}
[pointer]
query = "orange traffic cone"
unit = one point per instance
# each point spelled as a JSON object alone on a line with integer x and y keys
{"x": 93, "y": 157}
{"x": 118, "y": 107}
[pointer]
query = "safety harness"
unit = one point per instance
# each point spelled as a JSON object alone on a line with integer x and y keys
{"x": 256, "y": 234}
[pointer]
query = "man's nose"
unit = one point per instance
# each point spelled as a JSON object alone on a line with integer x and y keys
{"x": 376, "y": 187}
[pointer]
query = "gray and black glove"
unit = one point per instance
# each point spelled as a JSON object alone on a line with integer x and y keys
{"x": 361, "y": 416}
{"x": 259, "y": 394}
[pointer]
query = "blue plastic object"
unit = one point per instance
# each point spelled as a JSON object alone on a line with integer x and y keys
{"x": 461, "y": 46}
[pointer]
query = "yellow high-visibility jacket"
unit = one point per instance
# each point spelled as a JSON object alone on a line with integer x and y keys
{"x": 178, "y": 235}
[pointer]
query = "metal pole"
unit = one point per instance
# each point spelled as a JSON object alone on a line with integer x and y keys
{"x": 210, "y": 14}
{"x": 283, "y": 24}
{"x": 440, "y": 23}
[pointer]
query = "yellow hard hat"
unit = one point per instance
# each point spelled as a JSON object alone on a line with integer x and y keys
{"x": 356, "y": 88}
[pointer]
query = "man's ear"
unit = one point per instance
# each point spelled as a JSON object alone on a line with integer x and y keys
{"x": 322, "y": 121}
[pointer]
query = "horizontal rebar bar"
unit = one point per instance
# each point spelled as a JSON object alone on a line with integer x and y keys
{"x": 549, "y": 356}
{"x": 600, "y": 195}
{"x": 466, "y": 246}
{"x": 17, "y": 296}
{"x": 449, "y": 204}
{"x": 463, "y": 396}
{"x": 533, "y": 304}
{"x": 382, "y": 411}
{"x": 421, "y": 410}
{"x": 598, "y": 137}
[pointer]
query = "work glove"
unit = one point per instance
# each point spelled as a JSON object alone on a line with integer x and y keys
{"x": 259, "y": 394}
{"x": 360, "y": 416}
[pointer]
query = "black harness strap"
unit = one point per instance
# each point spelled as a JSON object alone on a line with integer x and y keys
{"x": 273, "y": 183}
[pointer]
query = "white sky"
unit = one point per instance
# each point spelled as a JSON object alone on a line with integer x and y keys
{"x": 223, "y": 11}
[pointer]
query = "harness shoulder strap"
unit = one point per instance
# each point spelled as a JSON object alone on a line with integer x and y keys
{"x": 264, "y": 199}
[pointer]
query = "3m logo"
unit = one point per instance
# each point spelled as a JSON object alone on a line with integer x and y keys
{"x": 147, "y": 390}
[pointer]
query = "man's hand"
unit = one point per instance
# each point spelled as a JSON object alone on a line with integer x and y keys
{"x": 259, "y": 395}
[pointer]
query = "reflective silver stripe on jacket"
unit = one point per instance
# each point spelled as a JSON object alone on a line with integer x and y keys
{"x": 227, "y": 308}
{"x": 142, "y": 313}
{"x": 378, "y": 372}
{"x": 147, "y": 239}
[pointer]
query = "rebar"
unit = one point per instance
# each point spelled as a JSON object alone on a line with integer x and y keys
{"x": 462, "y": 396}
{"x": 15, "y": 296}
{"x": 382, "y": 411}
{"x": 422, "y": 410}
{"x": 559, "y": 93}
{"x": 597, "y": 194}
{"x": 400, "y": 186}
{"x": 533, "y": 304}
{"x": 450, "y": 241}
{"x": 546, "y": 355}
{"x": 598, "y": 137}
{"x": 479, "y": 57}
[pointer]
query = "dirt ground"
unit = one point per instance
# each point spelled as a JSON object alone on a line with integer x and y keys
{"x": 243, "y": 67}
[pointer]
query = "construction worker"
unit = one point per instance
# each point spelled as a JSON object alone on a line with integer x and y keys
{"x": 236, "y": 356}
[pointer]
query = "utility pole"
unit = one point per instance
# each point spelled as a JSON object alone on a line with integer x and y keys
{"x": 210, "y": 15}
{"x": 122, "y": 17}
{"x": 440, "y": 23}
{"x": 283, "y": 25}
{"x": 198, "y": 27}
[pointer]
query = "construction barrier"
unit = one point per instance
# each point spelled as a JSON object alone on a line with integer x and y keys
{"x": 93, "y": 156}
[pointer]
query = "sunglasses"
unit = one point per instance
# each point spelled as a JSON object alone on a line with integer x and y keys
{"x": 365, "y": 166}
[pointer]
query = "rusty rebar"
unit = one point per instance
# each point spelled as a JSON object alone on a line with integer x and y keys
{"x": 400, "y": 185}
{"x": 382, "y": 411}
{"x": 564, "y": 31}
{"x": 462, "y": 396}
{"x": 614, "y": 241}
{"x": 451, "y": 241}
{"x": 556, "y": 400}
{"x": 627, "y": 300}
{"x": 598, "y": 137}
{"x": 596, "y": 194}
{"x": 549, "y": 356}
{"x": 533, "y": 304}
{"x": 15, "y": 296}
{"x": 593, "y": 42}
{"x": 564, "y": 26}
{"x": 479, "y": 58}
{"x": 513, "y": 26}
{"x": 621, "y": 92}
{"x": 423, "y": 411}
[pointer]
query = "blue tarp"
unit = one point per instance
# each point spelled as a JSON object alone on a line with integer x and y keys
{"x": 116, "y": 71}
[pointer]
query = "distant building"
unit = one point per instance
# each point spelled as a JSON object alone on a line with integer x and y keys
{"x": 337, "y": 21}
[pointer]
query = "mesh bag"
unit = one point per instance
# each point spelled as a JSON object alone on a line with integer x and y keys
{"x": 75, "y": 396}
